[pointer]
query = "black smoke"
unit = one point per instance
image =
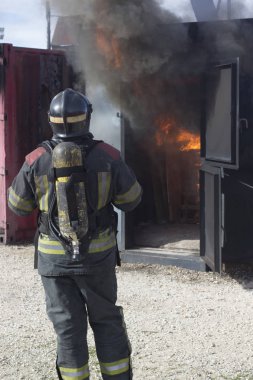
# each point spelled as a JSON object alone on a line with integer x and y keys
{"x": 152, "y": 64}
{"x": 153, "y": 67}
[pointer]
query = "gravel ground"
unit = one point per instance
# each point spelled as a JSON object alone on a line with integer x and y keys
{"x": 182, "y": 324}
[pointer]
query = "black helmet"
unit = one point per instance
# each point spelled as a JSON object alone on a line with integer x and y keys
{"x": 69, "y": 114}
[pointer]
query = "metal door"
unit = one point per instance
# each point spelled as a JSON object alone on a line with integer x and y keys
{"x": 107, "y": 124}
{"x": 3, "y": 225}
{"x": 211, "y": 217}
{"x": 220, "y": 129}
{"x": 219, "y": 150}
{"x": 29, "y": 78}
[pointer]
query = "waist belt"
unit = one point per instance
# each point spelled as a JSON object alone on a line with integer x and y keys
{"x": 98, "y": 221}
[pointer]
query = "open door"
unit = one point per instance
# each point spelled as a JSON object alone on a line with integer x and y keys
{"x": 220, "y": 129}
{"x": 219, "y": 150}
{"x": 107, "y": 114}
{"x": 211, "y": 217}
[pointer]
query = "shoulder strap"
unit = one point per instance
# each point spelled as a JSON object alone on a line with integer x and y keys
{"x": 91, "y": 145}
{"x": 49, "y": 145}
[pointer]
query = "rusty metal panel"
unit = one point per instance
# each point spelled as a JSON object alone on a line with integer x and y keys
{"x": 29, "y": 78}
{"x": 2, "y": 149}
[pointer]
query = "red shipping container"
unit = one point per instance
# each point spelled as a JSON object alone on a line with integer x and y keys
{"x": 29, "y": 78}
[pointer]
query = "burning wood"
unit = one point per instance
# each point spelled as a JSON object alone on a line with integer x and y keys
{"x": 169, "y": 133}
{"x": 189, "y": 140}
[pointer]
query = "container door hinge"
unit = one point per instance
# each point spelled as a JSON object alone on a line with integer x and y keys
{"x": 3, "y": 116}
{"x": 3, "y": 61}
{"x": 4, "y": 226}
{"x": 3, "y": 172}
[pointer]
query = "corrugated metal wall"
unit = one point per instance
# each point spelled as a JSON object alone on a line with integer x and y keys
{"x": 29, "y": 78}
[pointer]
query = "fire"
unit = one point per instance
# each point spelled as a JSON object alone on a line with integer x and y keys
{"x": 164, "y": 128}
{"x": 189, "y": 141}
{"x": 116, "y": 52}
{"x": 109, "y": 47}
{"x": 168, "y": 132}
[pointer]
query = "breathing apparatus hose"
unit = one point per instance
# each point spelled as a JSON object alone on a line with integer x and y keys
{"x": 53, "y": 228}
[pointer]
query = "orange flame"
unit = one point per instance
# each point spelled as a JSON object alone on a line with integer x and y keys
{"x": 189, "y": 141}
{"x": 109, "y": 47}
{"x": 163, "y": 132}
{"x": 167, "y": 132}
{"x": 117, "y": 53}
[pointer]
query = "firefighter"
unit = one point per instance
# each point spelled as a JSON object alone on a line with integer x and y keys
{"x": 75, "y": 181}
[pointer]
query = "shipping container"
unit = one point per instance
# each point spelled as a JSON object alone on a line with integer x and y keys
{"x": 185, "y": 128}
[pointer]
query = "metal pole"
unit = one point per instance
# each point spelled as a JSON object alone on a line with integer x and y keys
{"x": 218, "y": 6}
{"x": 1, "y": 33}
{"x": 229, "y": 5}
{"x": 121, "y": 214}
{"x": 48, "y": 17}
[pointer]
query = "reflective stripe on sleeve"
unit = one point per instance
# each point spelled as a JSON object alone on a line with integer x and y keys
{"x": 104, "y": 183}
{"x": 75, "y": 373}
{"x": 130, "y": 196}
{"x": 20, "y": 204}
{"x": 42, "y": 191}
{"x": 115, "y": 368}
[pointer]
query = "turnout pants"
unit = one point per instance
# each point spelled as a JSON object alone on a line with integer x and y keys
{"x": 70, "y": 301}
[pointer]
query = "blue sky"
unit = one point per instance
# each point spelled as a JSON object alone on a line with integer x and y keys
{"x": 25, "y": 20}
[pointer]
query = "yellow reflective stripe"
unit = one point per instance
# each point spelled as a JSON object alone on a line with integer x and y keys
{"x": 105, "y": 241}
{"x": 74, "y": 370}
{"x": 62, "y": 179}
{"x": 70, "y": 119}
{"x": 48, "y": 246}
{"x": 19, "y": 203}
{"x": 75, "y": 373}
{"x": 130, "y": 196}
{"x": 115, "y": 368}
{"x": 51, "y": 251}
{"x": 42, "y": 190}
{"x": 104, "y": 183}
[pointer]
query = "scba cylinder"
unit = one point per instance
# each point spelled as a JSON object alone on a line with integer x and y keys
{"x": 68, "y": 164}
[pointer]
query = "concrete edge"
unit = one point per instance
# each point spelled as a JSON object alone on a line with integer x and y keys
{"x": 180, "y": 258}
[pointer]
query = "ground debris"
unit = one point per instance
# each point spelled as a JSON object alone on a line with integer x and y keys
{"x": 182, "y": 324}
